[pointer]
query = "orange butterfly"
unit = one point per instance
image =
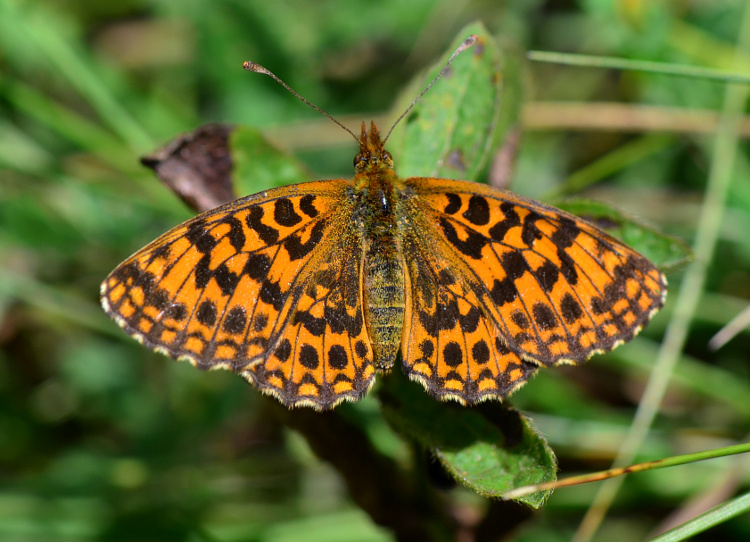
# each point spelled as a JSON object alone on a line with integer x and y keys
{"x": 308, "y": 290}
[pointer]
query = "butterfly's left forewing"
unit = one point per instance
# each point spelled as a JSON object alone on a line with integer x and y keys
{"x": 267, "y": 286}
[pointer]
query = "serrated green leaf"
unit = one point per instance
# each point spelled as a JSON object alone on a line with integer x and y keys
{"x": 490, "y": 448}
{"x": 449, "y": 132}
{"x": 665, "y": 251}
{"x": 259, "y": 165}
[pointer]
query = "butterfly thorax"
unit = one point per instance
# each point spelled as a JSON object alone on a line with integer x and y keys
{"x": 382, "y": 263}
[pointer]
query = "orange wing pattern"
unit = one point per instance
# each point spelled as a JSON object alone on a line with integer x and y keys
{"x": 260, "y": 286}
{"x": 450, "y": 343}
{"x": 500, "y": 285}
{"x": 558, "y": 288}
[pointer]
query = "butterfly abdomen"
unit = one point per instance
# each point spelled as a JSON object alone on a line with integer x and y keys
{"x": 384, "y": 271}
{"x": 384, "y": 298}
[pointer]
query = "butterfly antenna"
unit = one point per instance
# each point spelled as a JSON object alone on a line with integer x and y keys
{"x": 468, "y": 42}
{"x": 257, "y": 68}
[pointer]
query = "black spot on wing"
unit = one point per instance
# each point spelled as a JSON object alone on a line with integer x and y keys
{"x": 568, "y": 267}
{"x": 283, "y": 350}
{"x": 478, "y": 212}
{"x": 297, "y": 249}
{"x": 445, "y": 317}
{"x": 306, "y": 205}
{"x": 514, "y": 264}
{"x": 428, "y": 349}
{"x": 257, "y": 267}
{"x": 260, "y": 322}
{"x": 159, "y": 299}
{"x": 454, "y": 204}
{"x": 613, "y": 292}
{"x": 226, "y": 279}
{"x": 503, "y": 291}
{"x": 201, "y": 239}
{"x": 235, "y": 321}
{"x": 316, "y": 326}
{"x": 308, "y": 357}
{"x": 480, "y": 352}
{"x": 470, "y": 321}
{"x": 519, "y": 318}
{"x": 570, "y": 308}
{"x": 284, "y": 213}
{"x": 337, "y": 357}
{"x": 453, "y": 375}
{"x": 547, "y": 275}
{"x": 598, "y": 306}
{"x": 544, "y": 316}
{"x": 176, "y": 311}
{"x": 270, "y": 292}
{"x": 510, "y": 220}
{"x": 236, "y": 233}
{"x": 360, "y": 348}
{"x": 565, "y": 233}
{"x": 266, "y": 233}
{"x": 206, "y": 314}
{"x": 471, "y": 246}
{"x": 340, "y": 321}
{"x": 530, "y": 232}
{"x": 452, "y": 354}
{"x": 161, "y": 252}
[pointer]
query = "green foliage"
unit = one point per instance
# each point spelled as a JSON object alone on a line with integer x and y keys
{"x": 258, "y": 165}
{"x": 100, "y": 439}
{"x": 449, "y": 132}
{"x": 490, "y": 449}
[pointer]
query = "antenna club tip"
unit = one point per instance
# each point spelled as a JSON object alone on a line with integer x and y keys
{"x": 468, "y": 42}
{"x": 251, "y": 66}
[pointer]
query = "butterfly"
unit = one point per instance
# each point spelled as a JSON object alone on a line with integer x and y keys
{"x": 309, "y": 290}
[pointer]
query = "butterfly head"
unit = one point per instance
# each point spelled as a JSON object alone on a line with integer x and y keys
{"x": 372, "y": 156}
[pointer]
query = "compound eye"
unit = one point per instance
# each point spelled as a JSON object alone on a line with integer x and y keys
{"x": 361, "y": 159}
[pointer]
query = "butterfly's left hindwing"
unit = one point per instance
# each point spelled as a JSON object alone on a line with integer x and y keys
{"x": 260, "y": 286}
{"x": 450, "y": 343}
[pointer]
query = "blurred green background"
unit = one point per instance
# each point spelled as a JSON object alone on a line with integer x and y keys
{"x": 101, "y": 439}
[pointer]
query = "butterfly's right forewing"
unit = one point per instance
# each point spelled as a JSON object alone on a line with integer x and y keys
{"x": 557, "y": 288}
{"x": 265, "y": 286}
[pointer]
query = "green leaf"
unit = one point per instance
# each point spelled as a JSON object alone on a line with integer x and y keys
{"x": 666, "y": 251}
{"x": 490, "y": 448}
{"x": 449, "y": 133}
{"x": 259, "y": 165}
